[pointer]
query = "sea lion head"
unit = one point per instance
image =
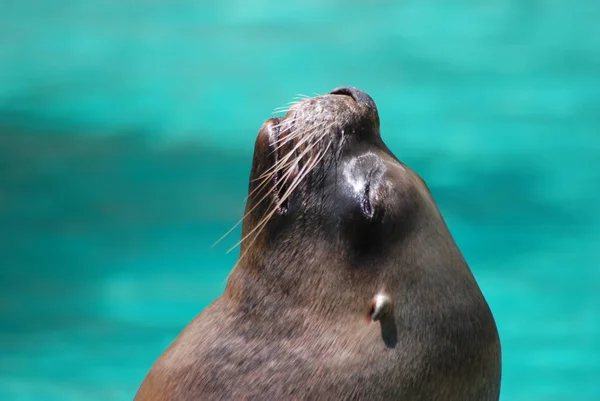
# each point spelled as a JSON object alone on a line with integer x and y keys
{"x": 348, "y": 285}
{"x": 334, "y": 220}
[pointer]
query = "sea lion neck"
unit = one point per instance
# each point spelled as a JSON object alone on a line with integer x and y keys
{"x": 302, "y": 277}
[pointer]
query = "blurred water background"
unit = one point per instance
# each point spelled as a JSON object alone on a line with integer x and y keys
{"x": 126, "y": 135}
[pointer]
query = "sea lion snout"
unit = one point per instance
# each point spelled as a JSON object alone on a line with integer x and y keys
{"x": 363, "y": 99}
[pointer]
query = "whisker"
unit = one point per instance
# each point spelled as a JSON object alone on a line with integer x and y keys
{"x": 289, "y": 105}
{"x": 266, "y": 178}
{"x": 297, "y": 133}
{"x": 307, "y": 137}
{"x": 283, "y": 141}
{"x": 287, "y": 173}
{"x": 264, "y": 183}
{"x": 284, "y": 161}
{"x": 242, "y": 219}
{"x": 263, "y": 221}
{"x": 313, "y": 161}
{"x": 285, "y": 164}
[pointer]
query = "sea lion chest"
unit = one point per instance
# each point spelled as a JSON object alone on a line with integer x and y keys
{"x": 226, "y": 353}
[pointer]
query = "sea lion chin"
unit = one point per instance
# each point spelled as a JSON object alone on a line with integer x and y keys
{"x": 348, "y": 285}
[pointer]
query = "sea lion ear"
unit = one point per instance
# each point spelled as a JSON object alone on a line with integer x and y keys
{"x": 381, "y": 306}
{"x": 382, "y": 311}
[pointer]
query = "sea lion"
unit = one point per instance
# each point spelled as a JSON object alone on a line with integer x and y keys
{"x": 349, "y": 284}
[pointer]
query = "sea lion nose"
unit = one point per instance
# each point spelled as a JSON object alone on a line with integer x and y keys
{"x": 359, "y": 96}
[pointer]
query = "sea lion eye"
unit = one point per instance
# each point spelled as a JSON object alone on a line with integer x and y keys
{"x": 365, "y": 203}
{"x": 364, "y": 175}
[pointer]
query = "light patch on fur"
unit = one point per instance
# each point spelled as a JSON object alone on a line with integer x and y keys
{"x": 357, "y": 183}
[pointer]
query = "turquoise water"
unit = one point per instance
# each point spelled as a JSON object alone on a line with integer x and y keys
{"x": 126, "y": 137}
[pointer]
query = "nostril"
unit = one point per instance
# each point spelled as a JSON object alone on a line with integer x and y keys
{"x": 345, "y": 90}
{"x": 359, "y": 96}
{"x": 348, "y": 91}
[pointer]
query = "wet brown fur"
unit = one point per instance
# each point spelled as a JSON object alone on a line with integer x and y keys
{"x": 293, "y": 322}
